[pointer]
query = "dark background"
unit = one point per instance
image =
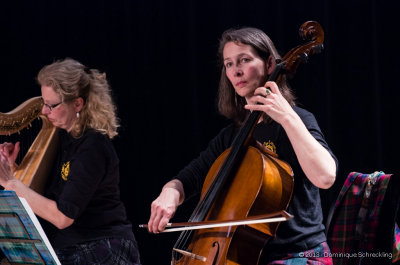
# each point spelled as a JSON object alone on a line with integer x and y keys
{"x": 160, "y": 59}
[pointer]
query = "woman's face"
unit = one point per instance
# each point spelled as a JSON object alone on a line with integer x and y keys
{"x": 244, "y": 68}
{"x": 61, "y": 114}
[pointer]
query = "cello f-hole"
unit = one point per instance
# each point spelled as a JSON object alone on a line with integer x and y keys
{"x": 216, "y": 253}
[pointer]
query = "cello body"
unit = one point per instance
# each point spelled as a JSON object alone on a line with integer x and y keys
{"x": 268, "y": 188}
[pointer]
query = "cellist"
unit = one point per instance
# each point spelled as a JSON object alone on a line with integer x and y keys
{"x": 248, "y": 57}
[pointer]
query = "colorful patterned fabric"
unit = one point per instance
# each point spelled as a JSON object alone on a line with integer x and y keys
{"x": 15, "y": 223}
{"x": 320, "y": 255}
{"x": 353, "y": 229}
{"x": 112, "y": 251}
{"x": 10, "y": 225}
{"x": 396, "y": 244}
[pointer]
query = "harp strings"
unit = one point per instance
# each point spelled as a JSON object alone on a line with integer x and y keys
{"x": 25, "y": 137}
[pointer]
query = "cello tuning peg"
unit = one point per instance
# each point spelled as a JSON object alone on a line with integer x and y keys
{"x": 318, "y": 48}
{"x": 304, "y": 57}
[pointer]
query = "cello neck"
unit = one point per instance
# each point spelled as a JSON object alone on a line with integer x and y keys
{"x": 240, "y": 143}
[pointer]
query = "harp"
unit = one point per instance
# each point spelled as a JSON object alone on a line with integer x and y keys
{"x": 35, "y": 165}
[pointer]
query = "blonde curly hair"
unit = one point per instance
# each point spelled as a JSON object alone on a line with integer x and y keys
{"x": 71, "y": 79}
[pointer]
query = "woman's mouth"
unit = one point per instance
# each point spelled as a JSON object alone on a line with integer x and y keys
{"x": 241, "y": 83}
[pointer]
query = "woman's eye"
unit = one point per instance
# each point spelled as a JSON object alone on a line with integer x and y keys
{"x": 245, "y": 60}
{"x": 227, "y": 65}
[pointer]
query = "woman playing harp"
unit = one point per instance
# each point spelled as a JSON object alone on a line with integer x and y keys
{"x": 84, "y": 217}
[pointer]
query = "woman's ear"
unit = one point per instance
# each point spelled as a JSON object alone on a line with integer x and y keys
{"x": 78, "y": 104}
{"x": 270, "y": 64}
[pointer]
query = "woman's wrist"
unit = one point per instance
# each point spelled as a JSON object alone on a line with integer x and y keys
{"x": 177, "y": 186}
{"x": 13, "y": 167}
{"x": 11, "y": 184}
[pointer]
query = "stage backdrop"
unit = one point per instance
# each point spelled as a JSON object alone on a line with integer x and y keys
{"x": 160, "y": 58}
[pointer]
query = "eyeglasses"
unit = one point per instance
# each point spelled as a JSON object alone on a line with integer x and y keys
{"x": 52, "y": 106}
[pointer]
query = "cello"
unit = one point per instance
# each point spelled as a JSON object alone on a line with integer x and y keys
{"x": 245, "y": 181}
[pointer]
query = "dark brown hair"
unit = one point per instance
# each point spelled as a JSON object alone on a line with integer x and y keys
{"x": 230, "y": 104}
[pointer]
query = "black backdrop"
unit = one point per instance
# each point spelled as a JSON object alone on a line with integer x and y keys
{"x": 160, "y": 58}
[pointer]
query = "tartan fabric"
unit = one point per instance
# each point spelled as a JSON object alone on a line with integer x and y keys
{"x": 111, "y": 251}
{"x": 320, "y": 255}
{"x": 344, "y": 225}
{"x": 345, "y": 243}
{"x": 10, "y": 226}
{"x": 396, "y": 244}
{"x": 13, "y": 220}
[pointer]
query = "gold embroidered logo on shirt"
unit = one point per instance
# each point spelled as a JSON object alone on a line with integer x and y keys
{"x": 270, "y": 145}
{"x": 65, "y": 171}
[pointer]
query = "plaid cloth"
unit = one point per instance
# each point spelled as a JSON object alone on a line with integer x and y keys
{"x": 353, "y": 227}
{"x": 320, "y": 255}
{"x": 13, "y": 219}
{"x": 111, "y": 251}
{"x": 396, "y": 244}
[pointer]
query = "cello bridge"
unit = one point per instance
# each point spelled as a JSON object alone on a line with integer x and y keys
{"x": 191, "y": 255}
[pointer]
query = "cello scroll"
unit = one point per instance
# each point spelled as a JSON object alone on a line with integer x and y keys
{"x": 312, "y": 32}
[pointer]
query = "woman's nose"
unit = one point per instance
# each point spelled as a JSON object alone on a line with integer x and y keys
{"x": 45, "y": 110}
{"x": 238, "y": 71}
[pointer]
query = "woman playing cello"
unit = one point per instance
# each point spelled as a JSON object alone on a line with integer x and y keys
{"x": 248, "y": 58}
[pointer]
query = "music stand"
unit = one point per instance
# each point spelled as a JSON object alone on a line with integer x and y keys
{"x": 22, "y": 239}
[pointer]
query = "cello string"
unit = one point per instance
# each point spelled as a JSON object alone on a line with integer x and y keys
{"x": 204, "y": 205}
